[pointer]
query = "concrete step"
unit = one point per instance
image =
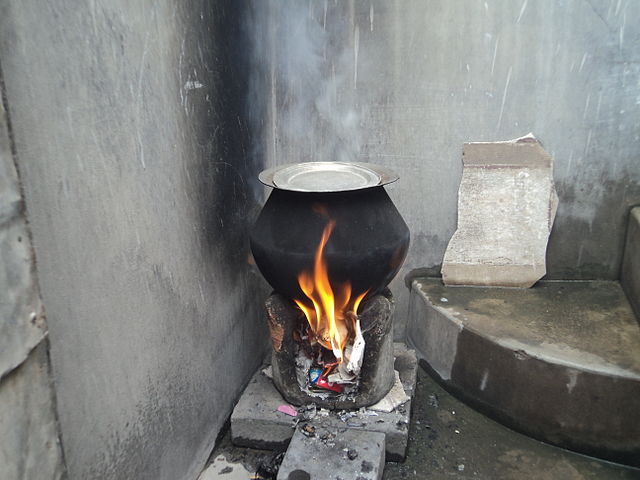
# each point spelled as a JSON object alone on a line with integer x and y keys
{"x": 559, "y": 362}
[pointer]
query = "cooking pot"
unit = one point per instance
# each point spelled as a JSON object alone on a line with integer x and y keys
{"x": 366, "y": 247}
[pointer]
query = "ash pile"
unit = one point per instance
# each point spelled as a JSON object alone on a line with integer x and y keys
{"x": 265, "y": 419}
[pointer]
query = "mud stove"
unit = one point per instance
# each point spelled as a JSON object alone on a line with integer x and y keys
{"x": 329, "y": 240}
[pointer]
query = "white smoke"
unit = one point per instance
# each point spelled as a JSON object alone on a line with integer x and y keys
{"x": 304, "y": 80}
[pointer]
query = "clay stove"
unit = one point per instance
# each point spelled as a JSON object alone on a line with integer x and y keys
{"x": 329, "y": 240}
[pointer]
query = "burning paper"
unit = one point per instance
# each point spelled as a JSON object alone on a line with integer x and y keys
{"x": 331, "y": 312}
{"x": 357, "y": 352}
{"x": 347, "y": 372}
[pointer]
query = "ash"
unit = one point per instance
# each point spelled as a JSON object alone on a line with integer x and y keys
{"x": 320, "y": 374}
{"x": 309, "y": 371}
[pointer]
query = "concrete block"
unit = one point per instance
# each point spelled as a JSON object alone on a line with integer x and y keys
{"x": 328, "y": 454}
{"x": 506, "y": 206}
{"x": 630, "y": 274}
{"x": 559, "y": 362}
{"x": 257, "y": 423}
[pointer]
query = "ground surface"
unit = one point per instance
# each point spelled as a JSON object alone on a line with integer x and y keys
{"x": 449, "y": 440}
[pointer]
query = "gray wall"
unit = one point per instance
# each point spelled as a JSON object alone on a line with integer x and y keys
{"x": 129, "y": 135}
{"x": 139, "y": 165}
{"x": 422, "y": 77}
{"x": 30, "y": 448}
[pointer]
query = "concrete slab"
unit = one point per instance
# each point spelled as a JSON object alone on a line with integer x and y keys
{"x": 257, "y": 423}
{"x": 560, "y": 361}
{"x": 630, "y": 274}
{"x": 448, "y": 439}
{"x": 506, "y": 206}
{"x": 327, "y": 454}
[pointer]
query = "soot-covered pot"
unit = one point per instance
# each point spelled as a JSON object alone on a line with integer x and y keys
{"x": 367, "y": 245}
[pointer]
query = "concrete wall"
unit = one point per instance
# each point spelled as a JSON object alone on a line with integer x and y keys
{"x": 630, "y": 274}
{"x": 139, "y": 168}
{"x": 135, "y": 158}
{"x": 30, "y": 447}
{"x": 419, "y": 78}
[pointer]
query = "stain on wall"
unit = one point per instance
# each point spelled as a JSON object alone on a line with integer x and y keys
{"x": 28, "y": 424}
{"x": 131, "y": 136}
{"x": 425, "y": 77}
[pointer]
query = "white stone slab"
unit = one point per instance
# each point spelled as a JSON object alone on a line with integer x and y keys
{"x": 506, "y": 206}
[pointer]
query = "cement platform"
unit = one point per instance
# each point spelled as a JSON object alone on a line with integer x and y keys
{"x": 559, "y": 362}
{"x": 257, "y": 423}
{"x": 447, "y": 439}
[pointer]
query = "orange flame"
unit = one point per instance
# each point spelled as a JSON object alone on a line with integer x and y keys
{"x": 328, "y": 318}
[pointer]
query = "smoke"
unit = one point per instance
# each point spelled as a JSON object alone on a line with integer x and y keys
{"x": 303, "y": 80}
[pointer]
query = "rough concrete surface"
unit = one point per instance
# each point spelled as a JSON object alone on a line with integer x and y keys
{"x": 30, "y": 449}
{"x": 414, "y": 80}
{"x": 630, "y": 275}
{"x": 327, "y": 455}
{"x": 448, "y": 439}
{"x": 560, "y": 361}
{"x": 257, "y": 423}
{"x": 133, "y": 147}
{"x": 506, "y": 206}
{"x": 22, "y": 324}
{"x": 29, "y": 437}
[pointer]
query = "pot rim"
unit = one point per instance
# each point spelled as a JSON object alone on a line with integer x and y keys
{"x": 371, "y": 175}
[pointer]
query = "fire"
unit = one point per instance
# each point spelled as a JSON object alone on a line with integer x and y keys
{"x": 332, "y": 318}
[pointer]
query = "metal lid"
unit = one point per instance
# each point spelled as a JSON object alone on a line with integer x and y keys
{"x": 327, "y": 176}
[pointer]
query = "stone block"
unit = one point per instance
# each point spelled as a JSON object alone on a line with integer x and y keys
{"x": 257, "y": 423}
{"x": 506, "y": 206}
{"x": 630, "y": 274}
{"x": 327, "y": 454}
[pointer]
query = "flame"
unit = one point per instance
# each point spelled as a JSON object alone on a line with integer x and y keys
{"x": 328, "y": 318}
